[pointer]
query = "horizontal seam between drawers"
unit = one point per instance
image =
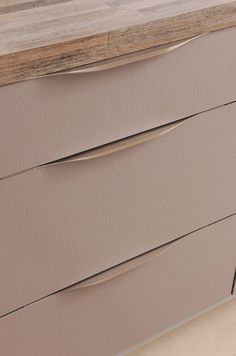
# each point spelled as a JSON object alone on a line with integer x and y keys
{"x": 116, "y": 141}
{"x": 135, "y": 257}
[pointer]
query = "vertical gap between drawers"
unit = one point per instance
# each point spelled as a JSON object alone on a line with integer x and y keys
{"x": 234, "y": 282}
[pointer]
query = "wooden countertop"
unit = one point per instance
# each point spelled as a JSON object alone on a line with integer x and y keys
{"x": 38, "y": 37}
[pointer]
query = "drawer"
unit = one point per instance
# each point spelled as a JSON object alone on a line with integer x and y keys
{"x": 46, "y": 119}
{"x": 64, "y": 222}
{"x": 114, "y": 310}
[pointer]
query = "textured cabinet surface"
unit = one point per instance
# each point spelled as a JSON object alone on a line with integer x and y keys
{"x": 104, "y": 318}
{"x": 46, "y": 119}
{"x": 60, "y": 224}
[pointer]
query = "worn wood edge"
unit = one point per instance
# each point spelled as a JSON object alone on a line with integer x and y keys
{"x": 19, "y": 66}
{"x": 124, "y": 59}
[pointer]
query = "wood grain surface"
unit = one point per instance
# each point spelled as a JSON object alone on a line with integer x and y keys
{"x": 38, "y": 37}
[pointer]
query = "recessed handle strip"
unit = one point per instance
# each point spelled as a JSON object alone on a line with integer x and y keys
{"x": 122, "y": 268}
{"x": 125, "y": 59}
{"x": 118, "y": 146}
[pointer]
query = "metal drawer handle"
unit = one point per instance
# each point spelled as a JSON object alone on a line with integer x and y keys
{"x": 122, "y": 268}
{"x": 126, "y": 59}
{"x": 118, "y": 146}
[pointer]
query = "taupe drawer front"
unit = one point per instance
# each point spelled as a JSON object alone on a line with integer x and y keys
{"x": 46, "y": 119}
{"x": 62, "y": 223}
{"x": 114, "y": 310}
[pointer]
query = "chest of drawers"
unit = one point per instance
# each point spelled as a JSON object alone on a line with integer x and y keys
{"x": 117, "y": 171}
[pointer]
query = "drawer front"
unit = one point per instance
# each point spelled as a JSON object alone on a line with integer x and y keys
{"x": 62, "y": 223}
{"x": 114, "y": 310}
{"x": 46, "y": 119}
